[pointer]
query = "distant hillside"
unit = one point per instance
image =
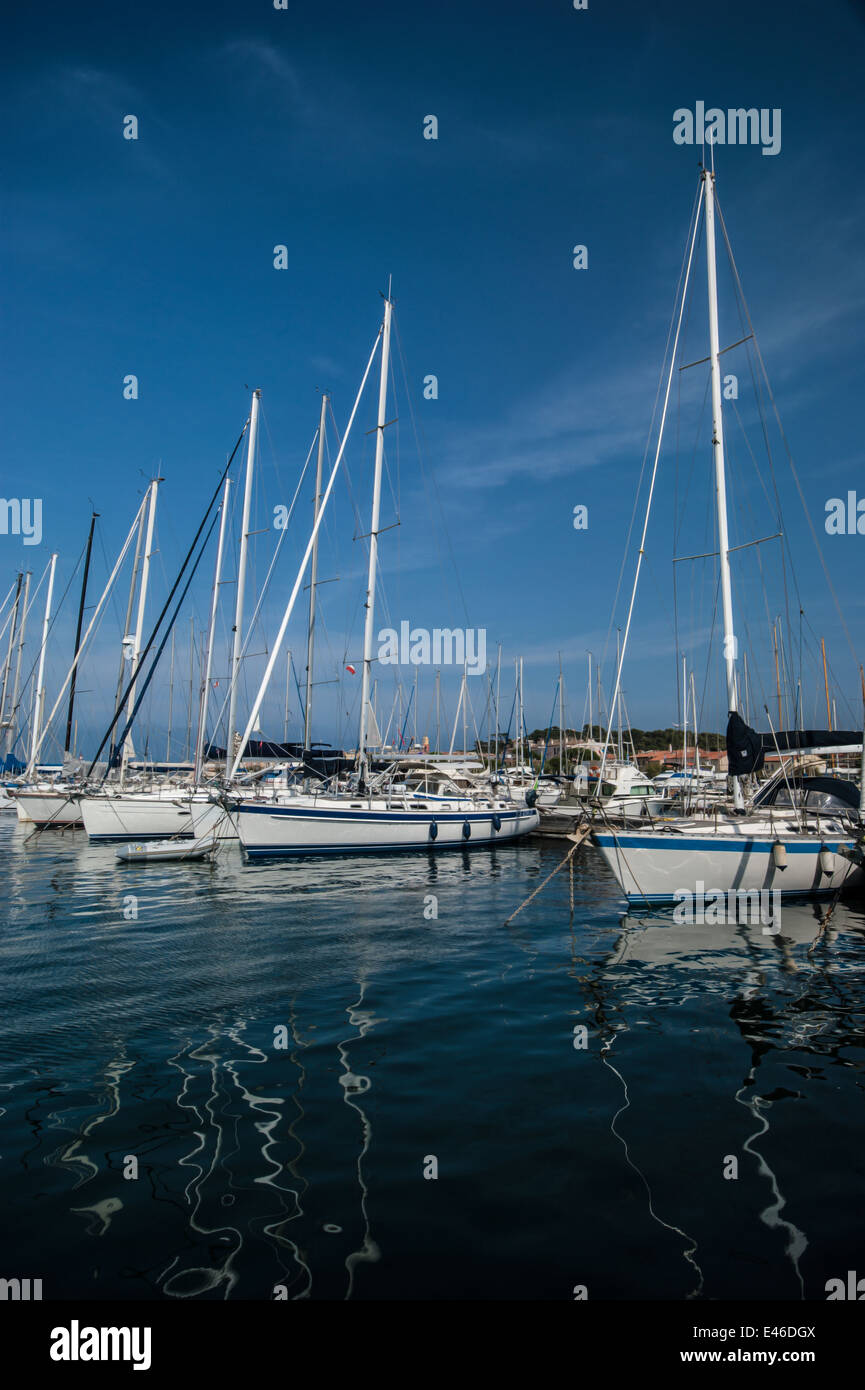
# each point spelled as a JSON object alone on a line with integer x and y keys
{"x": 644, "y": 740}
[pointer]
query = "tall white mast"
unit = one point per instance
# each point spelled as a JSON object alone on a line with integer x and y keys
{"x": 369, "y": 624}
{"x": 313, "y": 579}
{"x": 521, "y": 751}
{"x": 619, "y": 696}
{"x": 696, "y": 730}
{"x": 170, "y": 699}
{"x": 498, "y": 700}
{"x": 189, "y": 702}
{"x": 438, "y": 710}
{"x": 11, "y": 622}
{"x": 561, "y": 720}
{"x": 276, "y": 648}
{"x": 94, "y": 621}
{"x": 287, "y": 689}
{"x": 241, "y": 581}
{"x": 458, "y": 713}
{"x": 591, "y": 727}
{"x": 684, "y": 712}
{"x": 16, "y": 684}
{"x": 211, "y": 632}
{"x": 39, "y": 691}
{"x": 139, "y": 624}
{"x": 718, "y": 451}
{"x": 126, "y": 639}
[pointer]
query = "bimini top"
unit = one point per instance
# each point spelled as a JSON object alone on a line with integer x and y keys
{"x": 814, "y": 793}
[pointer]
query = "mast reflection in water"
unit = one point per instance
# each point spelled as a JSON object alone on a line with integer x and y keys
{"x": 230, "y": 1082}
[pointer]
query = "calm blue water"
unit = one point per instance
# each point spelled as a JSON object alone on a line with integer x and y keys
{"x": 150, "y": 1041}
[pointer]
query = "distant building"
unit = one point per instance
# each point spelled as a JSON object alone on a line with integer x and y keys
{"x": 672, "y": 758}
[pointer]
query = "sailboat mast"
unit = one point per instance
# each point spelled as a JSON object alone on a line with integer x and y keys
{"x": 188, "y": 748}
{"x": 39, "y": 691}
{"x": 600, "y": 701}
{"x": 241, "y": 580}
{"x": 16, "y": 682}
{"x": 619, "y": 695}
{"x": 139, "y": 623}
{"x": 130, "y": 604}
{"x": 12, "y": 623}
{"x": 287, "y": 689}
{"x": 170, "y": 699}
{"x": 313, "y": 578}
{"x": 438, "y": 711}
{"x": 684, "y": 717}
{"x": 369, "y": 623}
{"x": 520, "y": 751}
{"x": 211, "y": 632}
{"x": 696, "y": 730}
{"x": 561, "y": 720}
{"x": 78, "y": 631}
{"x": 777, "y": 672}
{"x": 718, "y": 452}
{"x": 498, "y": 699}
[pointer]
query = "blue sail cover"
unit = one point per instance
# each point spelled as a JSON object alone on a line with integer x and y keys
{"x": 320, "y": 760}
{"x": 746, "y": 749}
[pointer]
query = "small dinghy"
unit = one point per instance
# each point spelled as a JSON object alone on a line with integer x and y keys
{"x": 158, "y": 850}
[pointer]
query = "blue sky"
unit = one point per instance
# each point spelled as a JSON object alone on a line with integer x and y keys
{"x": 304, "y": 127}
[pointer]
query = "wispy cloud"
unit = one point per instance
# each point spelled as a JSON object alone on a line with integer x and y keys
{"x": 559, "y": 429}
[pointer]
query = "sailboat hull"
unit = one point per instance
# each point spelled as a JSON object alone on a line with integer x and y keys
{"x": 659, "y": 868}
{"x": 47, "y": 808}
{"x": 117, "y": 818}
{"x": 302, "y": 830}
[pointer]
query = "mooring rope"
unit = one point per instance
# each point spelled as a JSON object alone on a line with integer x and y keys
{"x": 567, "y": 859}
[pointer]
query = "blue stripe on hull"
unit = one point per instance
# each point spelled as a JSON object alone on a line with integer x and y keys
{"x": 138, "y": 839}
{"x": 625, "y": 842}
{"x": 386, "y": 817}
{"x": 661, "y": 899}
{"x": 311, "y": 852}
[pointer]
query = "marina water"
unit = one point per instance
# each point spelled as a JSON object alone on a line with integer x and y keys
{"x": 350, "y": 1079}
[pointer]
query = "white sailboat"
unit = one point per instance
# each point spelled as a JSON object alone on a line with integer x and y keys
{"x": 801, "y": 836}
{"x": 40, "y": 801}
{"x": 793, "y": 844}
{"x": 374, "y": 815}
{"x": 186, "y": 812}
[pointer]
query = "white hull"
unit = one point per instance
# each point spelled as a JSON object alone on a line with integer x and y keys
{"x": 139, "y": 816}
{"x": 47, "y": 808}
{"x": 321, "y": 826}
{"x": 660, "y": 867}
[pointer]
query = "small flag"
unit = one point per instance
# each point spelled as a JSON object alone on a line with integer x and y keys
{"x": 351, "y": 670}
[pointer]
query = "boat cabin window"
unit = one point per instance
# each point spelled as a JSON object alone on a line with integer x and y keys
{"x": 825, "y": 801}
{"x": 812, "y": 799}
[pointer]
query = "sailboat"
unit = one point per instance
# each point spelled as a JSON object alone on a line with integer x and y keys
{"x": 40, "y": 801}
{"x": 797, "y": 836}
{"x": 375, "y": 813}
{"x": 116, "y": 811}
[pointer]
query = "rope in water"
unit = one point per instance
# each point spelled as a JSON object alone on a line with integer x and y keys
{"x": 567, "y": 859}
